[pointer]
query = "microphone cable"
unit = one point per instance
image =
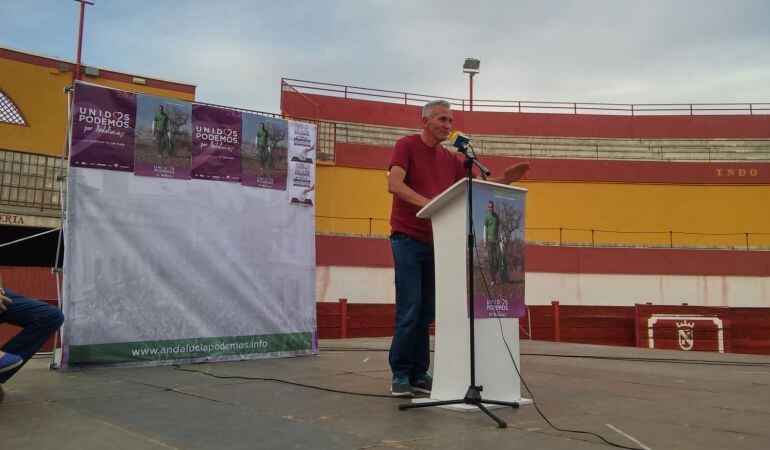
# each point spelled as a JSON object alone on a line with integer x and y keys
{"x": 282, "y": 381}
{"x": 518, "y": 372}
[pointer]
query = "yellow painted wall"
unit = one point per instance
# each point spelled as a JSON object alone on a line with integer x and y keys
{"x": 38, "y": 92}
{"x": 353, "y": 196}
{"x": 716, "y": 215}
{"x": 349, "y": 193}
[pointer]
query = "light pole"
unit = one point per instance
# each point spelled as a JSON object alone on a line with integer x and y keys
{"x": 80, "y": 33}
{"x": 471, "y": 67}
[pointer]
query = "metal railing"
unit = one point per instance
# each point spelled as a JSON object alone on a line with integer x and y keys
{"x": 30, "y": 180}
{"x": 521, "y": 106}
{"x": 341, "y": 90}
{"x": 586, "y": 237}
{"x": 530, "y": 146}
{"x": 368, "y": 221}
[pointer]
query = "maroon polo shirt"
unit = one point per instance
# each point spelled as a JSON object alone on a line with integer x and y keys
{"x": 429, "y": 170}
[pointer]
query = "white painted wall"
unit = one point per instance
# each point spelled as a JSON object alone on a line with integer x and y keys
{"x": 375, "y": 285}
{"x": 357, "y": 284}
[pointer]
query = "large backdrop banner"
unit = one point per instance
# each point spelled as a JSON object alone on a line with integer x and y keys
{"x": 180, "y": 261}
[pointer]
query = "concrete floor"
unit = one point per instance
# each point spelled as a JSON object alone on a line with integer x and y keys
{"x": 680, "y": 404}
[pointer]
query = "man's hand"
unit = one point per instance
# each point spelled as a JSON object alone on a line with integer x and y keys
{"x": 485, "y": 245}
{"x": 4, "y": 301}
{"x": 512, "y": 173}
{"x": 396, "y": 186}
{"x": 515, "y": 172}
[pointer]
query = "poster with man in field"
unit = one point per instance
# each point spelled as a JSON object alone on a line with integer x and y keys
{"x": 163, "y": 137}
{"x": 265, "y": 141}
{"x": 498, "y": 260}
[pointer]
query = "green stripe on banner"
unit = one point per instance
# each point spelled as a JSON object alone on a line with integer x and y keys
{"x": 127, "y": 352}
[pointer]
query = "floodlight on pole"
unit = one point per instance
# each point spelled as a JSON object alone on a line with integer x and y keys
{"x": 471, "y": 67}
{"x": 80, "y": 33}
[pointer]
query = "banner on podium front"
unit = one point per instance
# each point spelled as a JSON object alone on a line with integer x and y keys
{"x": 498, "y": 285}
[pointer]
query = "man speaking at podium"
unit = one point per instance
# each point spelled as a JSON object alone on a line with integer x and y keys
{"x": 419, "y": 170}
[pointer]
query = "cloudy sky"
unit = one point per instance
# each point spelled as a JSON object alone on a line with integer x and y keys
{"x": 236, "y": 51}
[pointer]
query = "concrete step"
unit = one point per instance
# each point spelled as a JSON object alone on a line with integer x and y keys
{"x": 567, "y": 147}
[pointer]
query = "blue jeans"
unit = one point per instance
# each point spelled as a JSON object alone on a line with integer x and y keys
{"x": 39, "y": 321}
{"x": 415, "y": 306}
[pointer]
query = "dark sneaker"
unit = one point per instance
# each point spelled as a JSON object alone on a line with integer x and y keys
{"x": 9, "y": 362}
{"x": 401, "y": 387}
{"x": 423, "y": 383}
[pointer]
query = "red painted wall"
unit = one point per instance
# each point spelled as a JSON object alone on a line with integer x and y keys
{"x": 34, "y": 282}
{"x": 544, "y": 124}
{"x": 375, "y": 252}
{"x": 647, "y": 261}
{"x": 745, "y": 330}
{"x": 361, "y": 156}
{"x": 352, "y": 252}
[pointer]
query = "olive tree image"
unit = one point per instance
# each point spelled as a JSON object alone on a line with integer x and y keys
{"x": 511, "y": 220}
{"x": 178, "y": 129}
{"x": 276, "y": 138}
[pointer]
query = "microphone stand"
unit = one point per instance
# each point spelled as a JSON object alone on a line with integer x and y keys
{"x": 473, "y": 395}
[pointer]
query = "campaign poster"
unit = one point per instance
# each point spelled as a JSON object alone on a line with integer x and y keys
{"x": 263, "y": 151}
{"x": 302, "y": 141}
{"x": 216, "y": 143}
{"x": 163, "y": 137}
{"x": 498, "y": 260}
{"x": 103, "y": 128}
{"x": 301, "y": 183}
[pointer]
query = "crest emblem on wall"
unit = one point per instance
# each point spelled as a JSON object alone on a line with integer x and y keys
{"x": 686, "y": 334}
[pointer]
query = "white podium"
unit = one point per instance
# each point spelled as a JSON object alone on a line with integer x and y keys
{"x": 451, "y": 368}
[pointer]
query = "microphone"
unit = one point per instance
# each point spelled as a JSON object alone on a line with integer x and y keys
{"x": 459, "y": 140}
{"x": 462, "y": 142}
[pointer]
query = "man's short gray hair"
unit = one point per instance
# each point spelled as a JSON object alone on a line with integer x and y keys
{"x": 427, "y": 110}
